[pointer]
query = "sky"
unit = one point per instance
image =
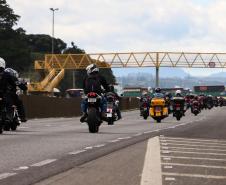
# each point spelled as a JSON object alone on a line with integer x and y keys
{"x": 130, "y": 25}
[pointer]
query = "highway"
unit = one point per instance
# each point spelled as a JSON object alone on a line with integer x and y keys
{"x": 118, "y": 154}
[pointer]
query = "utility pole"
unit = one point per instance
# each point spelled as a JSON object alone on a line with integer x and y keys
{"x": 53, "y": 10}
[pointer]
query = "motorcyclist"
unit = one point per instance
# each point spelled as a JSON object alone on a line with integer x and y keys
{"x": 145, "y": 96}
{"x": 158, "y": 93}
{"x": 8, "y": 87}
{"x": 112, "y": 91}
{"x": 180, "y": 99}
{"x": 12, "y": 89}
{"x": 92, "y": 83}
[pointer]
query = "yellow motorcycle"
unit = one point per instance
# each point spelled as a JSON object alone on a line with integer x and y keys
{"x": 159, "y": 109}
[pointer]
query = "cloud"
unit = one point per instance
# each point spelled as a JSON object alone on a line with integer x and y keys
{"x": 130, "y": 25}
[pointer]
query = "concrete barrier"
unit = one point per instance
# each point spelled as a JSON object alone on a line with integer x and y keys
{"x": 45, "y": 107}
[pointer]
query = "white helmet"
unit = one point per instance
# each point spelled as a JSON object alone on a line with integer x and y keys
{"x": 2, "y": 63}
{"x": 92, "y": 68}
{"x": 12, "y": 72}
{"x": 178, "y": 92}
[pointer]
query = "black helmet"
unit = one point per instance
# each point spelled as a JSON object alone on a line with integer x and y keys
{"x": 157, "y": 90}
{"x": 111, "y": 88}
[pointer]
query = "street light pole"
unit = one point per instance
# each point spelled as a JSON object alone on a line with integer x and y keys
{"x": 53, "y": 10}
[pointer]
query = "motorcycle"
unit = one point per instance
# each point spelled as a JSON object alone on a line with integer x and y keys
{"x": 195, "y": 107}
{"x": 158, "y": 109}
{"x": 179, "y": 108}
{"x": 111, "y": 108}
{"x": 12, "y": 119}
{"x": 93, "y": 112}
{"x": 2, "y": 115}
{"x": 144, "y": 108}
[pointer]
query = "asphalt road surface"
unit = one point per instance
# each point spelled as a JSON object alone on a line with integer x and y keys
{"x": 61, "y": 151}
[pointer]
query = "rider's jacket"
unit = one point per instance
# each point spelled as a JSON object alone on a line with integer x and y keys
{"x": 93, "y": 83}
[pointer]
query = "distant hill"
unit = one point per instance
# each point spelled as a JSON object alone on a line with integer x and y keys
{"x": 218, "y": 75}
{"x": 164, "y": 72}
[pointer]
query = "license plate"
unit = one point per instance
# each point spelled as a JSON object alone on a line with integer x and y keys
{"x": 158, "y": 109}
{"x": 109, "y": 115}
{"x": 177, "y": 108}
{"x": 92, "y": 100}
{"x": 109, "y": 110}
{"x": 158, "y": 113}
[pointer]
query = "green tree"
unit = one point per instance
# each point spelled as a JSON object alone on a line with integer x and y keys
{"x": 41, "y": 43}
{"x": 7, "y": 17}
{"x": 12, "y": 44}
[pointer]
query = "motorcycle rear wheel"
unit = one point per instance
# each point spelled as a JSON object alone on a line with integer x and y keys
{"x": 93, "y": 121}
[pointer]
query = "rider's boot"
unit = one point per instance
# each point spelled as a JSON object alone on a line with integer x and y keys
{"x": 83, "y": 118}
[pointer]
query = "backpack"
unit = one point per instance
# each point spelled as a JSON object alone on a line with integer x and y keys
{"x": 93, "y": 84}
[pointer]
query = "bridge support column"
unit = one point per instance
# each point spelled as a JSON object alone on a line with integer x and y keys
{"x": 157, "y": 71}
{"x": 157, "y": 77}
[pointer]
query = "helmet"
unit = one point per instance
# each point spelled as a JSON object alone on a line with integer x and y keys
{"x": 157, "y": 90}
{"x": 111, "y": 88}
{"x": 178, "y": 92}
{"x": 144, "y": 93}
{"x": 91, "y": 69}
{"x": 12, "y": 72}
{"x": 2, "y": 63}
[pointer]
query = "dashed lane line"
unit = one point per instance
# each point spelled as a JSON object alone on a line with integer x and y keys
{"x": 152, "y": 172}
{"x": 194, "y": 175}
{"x": 194, "y": 158}
{"x": 76, "y": 152}
{"x": 21, "y": 168}
{"x": 42, "y": 163}
{"x": 5, "y": 175}
{"x": 195, "y": 165}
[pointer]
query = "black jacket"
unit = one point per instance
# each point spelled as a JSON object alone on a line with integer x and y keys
{"x": 8, "y": 83}
{"x": 93, "y": 83}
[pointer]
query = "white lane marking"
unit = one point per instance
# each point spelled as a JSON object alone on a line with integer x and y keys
{"x": 187, "y": 148}
{"x": 164, "y": 144}
{"x": 88, "y": 148}
{"x": 189, "y": 139}
{"x": 165, "y": 152}
{"x": 170, "y": 179}
{"x": 121, "y": 138}
{"x": 147, "y": 132}
{"x": 5, "y": 175}
{"x": 24, "y": 127}
{"x": 193, "y": 142}
{"x": 165, "y": 148}
{"x": 195, "y": 158}
{"x": 98, "y": 146}
{"x": 183, "y": 152}
{"x": 195, "y": 165}
{"x": 76, "y": 152}
{"x": 168, "y": 167}
{"x": 166, "y": 158}
{"x": 190, "y": 145}
{"x": 114, "y": 141}
{"x": 42, "y": 163}
{"x": 152, "y": 172}
{"x": 138, "y": 134}
{"x": 194, "y": 175}
{"x": 21, "y": 168}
